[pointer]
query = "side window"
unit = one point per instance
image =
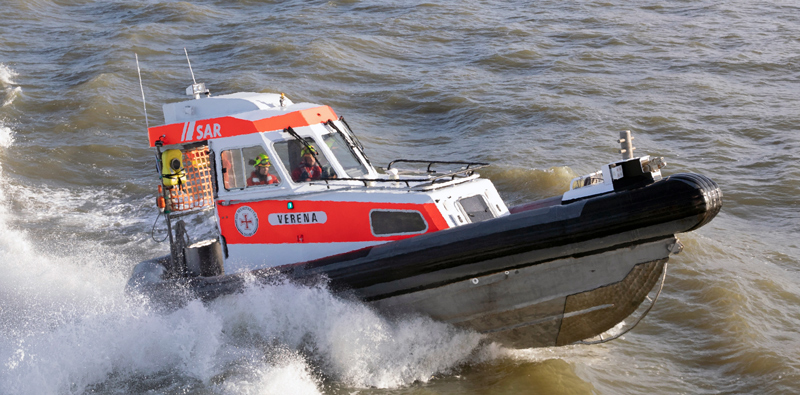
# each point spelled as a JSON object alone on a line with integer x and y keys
{"x": 232, "y": 169}
{"x": 302, "y": 164}
{"x": 396, "y": 222}
{"x": 246, "y": 168}
{"x": 476, "y": 208}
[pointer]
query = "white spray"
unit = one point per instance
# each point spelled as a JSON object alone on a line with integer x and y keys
{"x": 7, "y": 86}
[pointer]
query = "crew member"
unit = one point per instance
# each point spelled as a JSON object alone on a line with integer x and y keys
{"x": 261, "y": 176}
{"x": 309, "y": 169}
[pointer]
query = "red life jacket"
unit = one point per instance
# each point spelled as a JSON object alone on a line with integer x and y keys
{"x": 307, "y": 172}
{"x": 255, "y": 179}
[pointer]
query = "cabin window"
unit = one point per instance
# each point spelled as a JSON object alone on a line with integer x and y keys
{"x": 303, "y": 166}
{"x": 343, "y": 152}
{"x": 397, "y": 222}
{"x": 232, "y": 169}
{"x": 245, "y": 168}
{"x": 475, "y": 208}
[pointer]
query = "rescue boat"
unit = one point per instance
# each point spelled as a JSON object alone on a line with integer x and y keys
{"x": 292, "y": 196}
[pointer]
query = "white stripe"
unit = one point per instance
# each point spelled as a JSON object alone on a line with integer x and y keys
{"x": 243, "y": 257}
{"x": 183, "y": 135}
{"x": 190, "y": 132}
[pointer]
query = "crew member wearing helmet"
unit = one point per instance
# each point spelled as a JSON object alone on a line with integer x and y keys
{"x": 308, "y": 169}
{"x": 261, "y": 176}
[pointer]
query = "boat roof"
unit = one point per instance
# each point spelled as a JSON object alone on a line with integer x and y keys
{"x": 233, "y": 115}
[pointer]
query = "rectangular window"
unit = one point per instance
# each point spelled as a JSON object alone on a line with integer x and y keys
{"x": 232, "y": 169}
{"x": 302, "y": 165}
{"x": 247, "y": 168}
{"x": 476, "y": 208}
{"x": 396, "y": 222}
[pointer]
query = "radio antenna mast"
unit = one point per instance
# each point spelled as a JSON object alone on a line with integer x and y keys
{"x": 194, "y": 81}
{"x": 141, "y": 87}
{"x": 195, "y": 89}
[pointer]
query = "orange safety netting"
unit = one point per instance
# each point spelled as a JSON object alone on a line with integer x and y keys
{"x": 196, "y": 192}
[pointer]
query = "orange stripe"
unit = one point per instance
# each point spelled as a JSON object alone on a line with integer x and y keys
{"x": 176, "y": 133}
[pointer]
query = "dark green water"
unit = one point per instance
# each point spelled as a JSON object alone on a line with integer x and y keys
{"x": 540, "y": 90}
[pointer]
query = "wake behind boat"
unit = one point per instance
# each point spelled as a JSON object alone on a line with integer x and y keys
{"x": 294, "y": 195}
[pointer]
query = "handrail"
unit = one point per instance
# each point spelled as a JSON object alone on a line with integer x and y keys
{"x": 432, "y": 162}
{"x": 468, "y": 171}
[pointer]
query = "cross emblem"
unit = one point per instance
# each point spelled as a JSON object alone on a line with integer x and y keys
{"x": 246, "y": 222}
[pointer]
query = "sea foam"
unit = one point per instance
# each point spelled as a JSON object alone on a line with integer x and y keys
{"x": 7, "y": 86}
{"x": 6, "y": 135}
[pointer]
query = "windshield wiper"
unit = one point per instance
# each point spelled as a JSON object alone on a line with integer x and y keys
{"x": 351, "y": 139}
{"x": 303, "y": 141}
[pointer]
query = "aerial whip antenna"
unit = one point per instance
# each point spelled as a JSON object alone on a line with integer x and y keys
{"x": 194, "y": 81}
{"x": 196, "y": 89}
{"x": 141, "y": 87}
{"x": 158, "y": 144}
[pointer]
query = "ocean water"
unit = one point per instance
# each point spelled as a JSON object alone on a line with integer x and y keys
{"x": 540, "y": 90}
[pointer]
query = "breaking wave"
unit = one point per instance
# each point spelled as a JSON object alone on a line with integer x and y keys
{"x": 77, "y": 334}
{"x": 9, "y": 89}
{"x": 6, "y": 135}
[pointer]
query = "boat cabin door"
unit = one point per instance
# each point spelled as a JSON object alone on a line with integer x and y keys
{"x": 248, "y": 176}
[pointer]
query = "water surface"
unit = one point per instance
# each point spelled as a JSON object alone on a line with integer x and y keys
{"x": 539, "y": 90}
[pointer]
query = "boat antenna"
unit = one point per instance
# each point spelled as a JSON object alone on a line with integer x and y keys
{"x": 158, "y": 144}
{"x": 194, "y": 81}
{"x": 196, "y": 89}
{"x": 141, "y": 87}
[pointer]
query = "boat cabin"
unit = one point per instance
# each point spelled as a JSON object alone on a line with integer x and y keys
{"x": 291, "y": 183}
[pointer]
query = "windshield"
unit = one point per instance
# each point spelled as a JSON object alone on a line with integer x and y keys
{"x": 345, "y": 155}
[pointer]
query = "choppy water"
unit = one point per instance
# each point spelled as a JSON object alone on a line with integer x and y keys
{"x": 540, "y": 89}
